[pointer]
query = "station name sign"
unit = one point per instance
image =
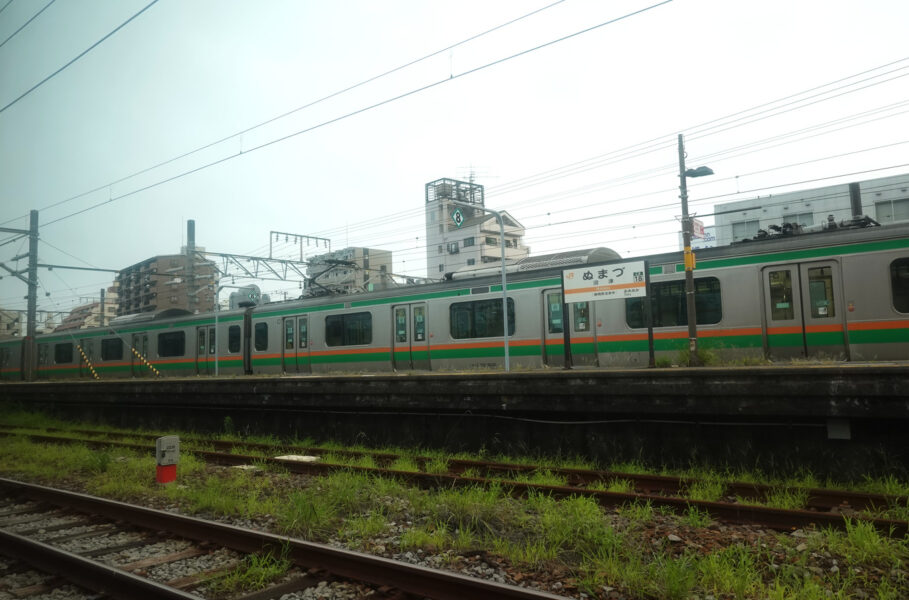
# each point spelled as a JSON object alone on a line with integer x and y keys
{"x": 605, "y": 282}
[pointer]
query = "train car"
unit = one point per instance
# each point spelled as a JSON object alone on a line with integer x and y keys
{"x": 839, "y": 295}
{"x": 146, "y": 345}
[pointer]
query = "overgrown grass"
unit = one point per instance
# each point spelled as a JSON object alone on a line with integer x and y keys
{"x": 255, "y": 573}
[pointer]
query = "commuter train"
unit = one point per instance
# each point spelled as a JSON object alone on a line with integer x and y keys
{"x": 840, "y": 295}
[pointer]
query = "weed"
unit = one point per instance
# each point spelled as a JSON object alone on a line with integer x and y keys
{"x": 405, "y": 463}
{"x": 637, "y": 512}
{"x": 672, "y": 578}
{"x": 436, "y": 465}
{"x": 254, "y": 573}
{"x": 787, "y": 498}
{"x": 362, "y": 528}
{"x": 542, "y": 477}
{"x": 694, "y": 517}
{"x": 708, "y": 489}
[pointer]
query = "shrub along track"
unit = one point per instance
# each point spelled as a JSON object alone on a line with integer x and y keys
{"x": 108, "y": 519}
{"x": 828, "y": 507}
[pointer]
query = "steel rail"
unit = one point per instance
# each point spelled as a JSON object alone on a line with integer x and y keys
{"x": 740, "y": 513}
{"x": 411, "y": 579}
{"x": 86, "y": 573}
{"x": 818, "y": 498}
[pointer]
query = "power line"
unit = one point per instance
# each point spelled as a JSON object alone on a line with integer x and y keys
{"x": 307, "y": 105}
{"x": 83, "y": 53}
{"x": 364, "y": 109}
{"x": 24, "y": 25}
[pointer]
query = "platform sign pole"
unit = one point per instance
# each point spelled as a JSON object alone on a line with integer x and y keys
{"x": 566, "y": 331}
{"x": 648, "y": 315}
{"x": 167, "y": 454}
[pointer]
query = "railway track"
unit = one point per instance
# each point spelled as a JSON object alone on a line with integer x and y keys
{"x": 824, "y": 507}
{"x": 75, "y": 541}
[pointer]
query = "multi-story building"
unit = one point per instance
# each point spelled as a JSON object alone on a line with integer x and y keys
{"x": 349, "y": 271}
{"x": 886, "y": 200}
{"x": 458, "y": 237}
{"x": 167, "y": 283}
{"x": 90, "y": 314}
{"x": 10, "y": 323}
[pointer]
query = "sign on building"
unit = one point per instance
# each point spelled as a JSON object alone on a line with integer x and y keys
{"x": 605, "y": 282}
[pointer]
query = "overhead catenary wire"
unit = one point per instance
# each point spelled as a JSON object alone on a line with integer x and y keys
{"x": 308, "y": 104}
{"x": 80, "y": 55}
{"x": 364, "y": 109}
{"x": 24, "y": 25}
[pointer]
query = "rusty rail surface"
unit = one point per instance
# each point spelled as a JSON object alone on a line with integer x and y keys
{"x": 410, "y": 579}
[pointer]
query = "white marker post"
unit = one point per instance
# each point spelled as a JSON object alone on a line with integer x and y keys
{"x": 167, "y": 454}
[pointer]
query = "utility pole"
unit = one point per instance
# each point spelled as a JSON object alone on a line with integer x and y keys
{"x": 30, "y": 348}
{"x": 693, "y": 358}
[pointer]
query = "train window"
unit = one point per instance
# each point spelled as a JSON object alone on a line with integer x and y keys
{"x": 112, "y": 349}
{"x": 201, "y": 335}
{"x": 667, "y": 301}
{"x": 288, "y": 334}
{"x": 233, "y": 338}
{"x": 348, "y": 330}
{"x": 419, "y": 323}
{"x": 304, "y": 331}
{"x": 400, "y": 324}
{"x": 820, "y": 292}
{"x": 781, "y": 308}
{"x": 211, "y": 340}
{"x": 42, "y": 354}
{"x": 261, "y": 336}
{"x": 554, "y": 312}
{"x": 581, "y": 316}
{"x": 4, "y": 357}
{"x": 899, "y": 284}
{"x": 480, "y": 318}
{"x": 63, "y": 353}
{"x": 172, "y": 343}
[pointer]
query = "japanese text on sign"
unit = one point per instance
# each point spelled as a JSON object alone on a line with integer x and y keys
{"x": 605, "y": 282}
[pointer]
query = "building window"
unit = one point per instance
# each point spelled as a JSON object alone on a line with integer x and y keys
{"x": 667, "y": 301}
{"x": 491, "y": 241}
{"x": 745, "y": 230}
{"x": 441, "y": 268}
{"x": 480, "y": 318}
{"x": 471, "y": 261}
{"x": 440, "y": 248}
{"x": 453, "y": 248}
{"x": 233, "y": 338}
{"x": 171, "y": 344}
{"x": 261, "y": 336}
{"x": 63, "y": 353}
{"x": 348, "y": 330}
{"x": 468, "y": 242}
{"x": 891, "y": 211}
{"x": 112, "y": 349}
{"x": 899, "y": 284}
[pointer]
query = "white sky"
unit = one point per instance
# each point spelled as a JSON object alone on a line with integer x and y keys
{"x": 185, "y": 74}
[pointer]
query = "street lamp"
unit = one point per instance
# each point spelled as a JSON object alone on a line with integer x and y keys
{"x": 684, "y": 174}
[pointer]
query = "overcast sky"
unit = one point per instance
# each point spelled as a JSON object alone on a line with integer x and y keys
{"x": 543, "y": 131}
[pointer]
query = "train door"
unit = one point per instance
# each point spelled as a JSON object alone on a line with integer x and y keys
{"x": 295, "y": 353}
{"x": 409, "y": 340}
{"x": 137, "y": 365}
{"x": 205, "y": 350}
{"x": 553, "y": 329}
{"x": 803, "y": 310}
